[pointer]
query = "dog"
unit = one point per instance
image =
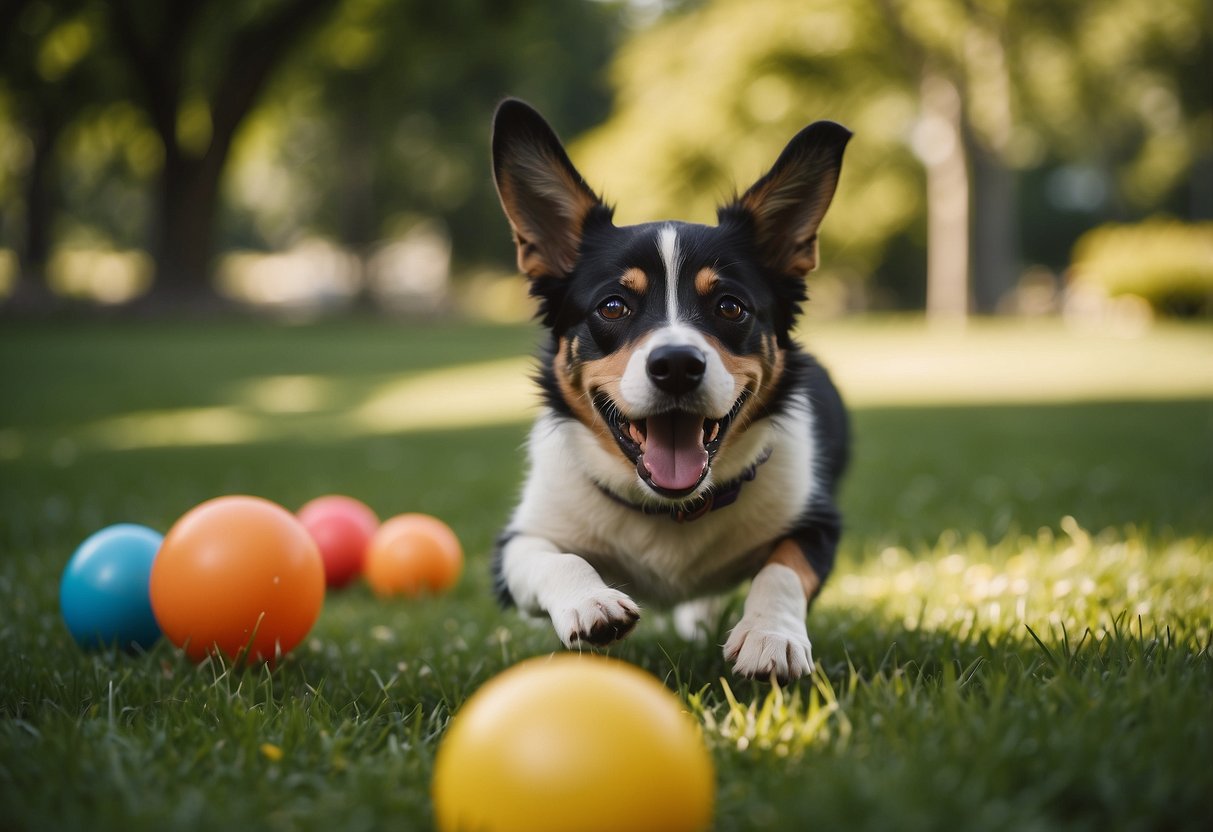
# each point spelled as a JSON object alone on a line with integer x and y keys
{"x": 686, "y": 443}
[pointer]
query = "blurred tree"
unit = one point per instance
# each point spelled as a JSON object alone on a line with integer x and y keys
{"x": 195, "y": 68}
{"x": 979, "y": 89}
{"x": 1121, "y": 87}
{"x": 384, "y": 121}
{"x": 1007, "y": 65}
{"x": 956, "y": 53}
{"x": 995, "y": 124}
{"x": 375, "y": 120}
{"x": 705, "y": 101}
{"x": 198, "y": 68}
{"x": 51, "y": 68}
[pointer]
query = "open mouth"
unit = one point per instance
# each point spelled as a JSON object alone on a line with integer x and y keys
{"x": 673, "y": 450}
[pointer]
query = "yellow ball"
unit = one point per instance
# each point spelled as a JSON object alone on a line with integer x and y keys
{"x": 573, "y": 742}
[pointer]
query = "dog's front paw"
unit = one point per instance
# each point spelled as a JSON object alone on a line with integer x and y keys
{"x": 599, "y": 618}
{"x": 759, "y": 647}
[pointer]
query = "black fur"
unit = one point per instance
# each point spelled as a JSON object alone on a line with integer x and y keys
{"x": 504, "y": 598}
{"x": 820, "y": 527}
{"x": 761, "y": 247}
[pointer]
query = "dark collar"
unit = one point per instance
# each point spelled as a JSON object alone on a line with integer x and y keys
{"x": 716, "y": 497}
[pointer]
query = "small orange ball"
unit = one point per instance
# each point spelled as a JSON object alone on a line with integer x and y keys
{"x": 237, "y": 573}
{"x": 413, "y": 554}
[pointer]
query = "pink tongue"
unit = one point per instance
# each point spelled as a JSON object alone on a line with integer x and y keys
{"x": 674, "y": 452}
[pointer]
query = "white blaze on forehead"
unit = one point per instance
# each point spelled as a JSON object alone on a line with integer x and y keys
{"x": 667, "y": 244}
{"x": 715, "y": 395}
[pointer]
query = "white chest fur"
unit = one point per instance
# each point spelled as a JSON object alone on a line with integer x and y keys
{"x": 652, "y": 557}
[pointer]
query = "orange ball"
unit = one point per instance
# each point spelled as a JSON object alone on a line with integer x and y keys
{"x": 412, "y": 554}
{"x": 237, "y": 573}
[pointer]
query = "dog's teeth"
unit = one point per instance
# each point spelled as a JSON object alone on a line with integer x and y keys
{"x": 642, "y": 470}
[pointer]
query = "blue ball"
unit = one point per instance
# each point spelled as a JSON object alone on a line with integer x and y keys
{"x": 104, "y": 590}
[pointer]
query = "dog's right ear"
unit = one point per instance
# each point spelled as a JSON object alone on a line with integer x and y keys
{"x": 786, "y": 206}
{"x": 544, "y": 197}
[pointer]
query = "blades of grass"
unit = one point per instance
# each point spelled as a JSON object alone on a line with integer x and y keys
{"x": 1048, "y": 653}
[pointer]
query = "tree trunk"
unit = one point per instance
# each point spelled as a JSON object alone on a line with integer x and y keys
{"x": 942, "y": 151}
{"x": 988, "y": 123}
{"x": 31, "y": 292}
{"x": 183, "y": 234}
{"x": 356, "y": 194}
{"x": 995, "y": 231}
{"x": 356, "y": 187}
{"x": 38, "y": 189}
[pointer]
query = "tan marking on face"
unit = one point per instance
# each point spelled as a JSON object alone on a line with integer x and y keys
{"x": 773, "y": 365}
{"x": 569, "y": 379}
{"x": 571, "y": 362}
{"x": 706, "y": 281}
{"x": 760, "y": 374}
{"x": 769, "y": 348}
{"x": 789, "y": 554}
{"x": 580, "y": 380}
{"x": 636, "y": 280}
{"x": 604, "y": 375}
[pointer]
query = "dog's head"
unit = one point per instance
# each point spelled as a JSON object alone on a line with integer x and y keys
{"x": 670, "y": 338}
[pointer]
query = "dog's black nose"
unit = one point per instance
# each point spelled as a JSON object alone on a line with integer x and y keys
{"x": 676, "y": 369}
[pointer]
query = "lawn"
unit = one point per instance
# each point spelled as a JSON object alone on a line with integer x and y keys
{"x": 1017, "y": 635}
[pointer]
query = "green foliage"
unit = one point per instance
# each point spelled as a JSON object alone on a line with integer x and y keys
{"x": 379, "y": 119}
{"x": 1167, "y": 262}
{"x": 981, "y": 655}
{"x": 706, "y": 99}
{"x": 384, "y": 121}
{"x": 117, "y": 118}
{"x": 60, "y": 99}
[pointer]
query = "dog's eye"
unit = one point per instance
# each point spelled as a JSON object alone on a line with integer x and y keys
{"x": 613, "y": 309}
{"x": 730, "y": 308}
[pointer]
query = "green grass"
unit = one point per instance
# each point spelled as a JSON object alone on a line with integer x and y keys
{"x": 1017, "y": 636}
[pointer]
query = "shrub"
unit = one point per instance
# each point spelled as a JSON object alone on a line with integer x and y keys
{"x": 1167, "y": 262}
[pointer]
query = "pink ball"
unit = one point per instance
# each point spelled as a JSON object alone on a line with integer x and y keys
{"x": 342, "y": 528}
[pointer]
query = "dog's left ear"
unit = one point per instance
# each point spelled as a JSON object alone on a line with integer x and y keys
{"x": 545, "y": 199}
{"x": 786, "y": 206}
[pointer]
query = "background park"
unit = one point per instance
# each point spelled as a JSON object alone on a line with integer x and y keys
{"x": 253, "y": 247}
